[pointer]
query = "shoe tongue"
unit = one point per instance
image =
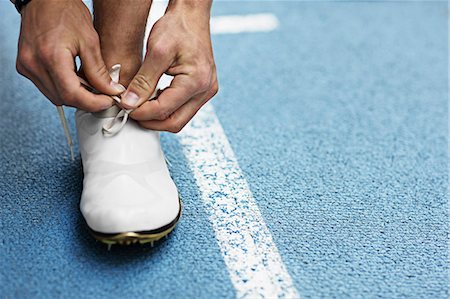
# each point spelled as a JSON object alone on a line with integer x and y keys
{"x": 110, "y": 112}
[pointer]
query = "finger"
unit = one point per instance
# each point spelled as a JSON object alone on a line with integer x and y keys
{"x": 171, "y": 98}
{"x": 90, "y": 102}
{"x": 42, "y": 81}
{"x": 47, "y": 91}
{"x": 175, "y": 122}
{"x": 70, "y": 90}
{"x": 144, "y": 82}
{"x": 28, "y": 66}
{"x": 95, "y": 69}
{"x": 49, "y": 85}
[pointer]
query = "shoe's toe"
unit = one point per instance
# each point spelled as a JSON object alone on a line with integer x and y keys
{"x": 130, "y": 203}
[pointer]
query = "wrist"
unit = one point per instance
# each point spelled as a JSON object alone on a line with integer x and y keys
{"x": 198, "y": 9}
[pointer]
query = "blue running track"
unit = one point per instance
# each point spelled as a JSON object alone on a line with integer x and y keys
{"x": 339, "y": 121}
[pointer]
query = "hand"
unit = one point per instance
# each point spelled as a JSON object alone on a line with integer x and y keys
{"x": 179, "y": 45}
{"x": 52, "y": 34}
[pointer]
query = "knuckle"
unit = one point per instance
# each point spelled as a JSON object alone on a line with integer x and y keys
{"x": 25, "y": 58}
{"x": 215, "y": 88}
{"x": 101, "y": 71}
{"x": 203, "y": 80}
{"x": 68, "y": 97}
{"x": 20, "y": 68}
{"x": 44, "y": 51}
{"x": 175, "y": 127}
{"x": 162, "y": 114}
{"x": 159, "y": 50}
{"x": 142, "y": 82}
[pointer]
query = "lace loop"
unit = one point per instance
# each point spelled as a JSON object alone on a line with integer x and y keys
{"x": 114, "y": 126}
{"x": 109, "y": 129}
{"x": 120, "y": 115}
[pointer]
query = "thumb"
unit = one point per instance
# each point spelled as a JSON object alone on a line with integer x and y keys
{"x": 96, "y": 72}
{"x": 144, "y": 82}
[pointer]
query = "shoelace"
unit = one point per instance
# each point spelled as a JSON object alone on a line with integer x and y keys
{"x": 120, "y": 115}
{"x": 110, "y": 128}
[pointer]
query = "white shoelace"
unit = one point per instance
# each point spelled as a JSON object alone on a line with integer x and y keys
{"x": 110, "y": 128}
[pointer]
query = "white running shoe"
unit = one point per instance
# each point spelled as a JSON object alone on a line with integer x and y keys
{"x": 128, "y": 194}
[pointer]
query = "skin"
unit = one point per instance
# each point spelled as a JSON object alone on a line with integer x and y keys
{"x": 179, "y": 45}
{"x": 54, "y": 32}
{"x": 121, "y": 27}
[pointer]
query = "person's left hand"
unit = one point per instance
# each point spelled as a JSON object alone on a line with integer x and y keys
{"x": 179, "y": 45}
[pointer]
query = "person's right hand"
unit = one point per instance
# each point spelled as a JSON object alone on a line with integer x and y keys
{"x": 52, "y": 34}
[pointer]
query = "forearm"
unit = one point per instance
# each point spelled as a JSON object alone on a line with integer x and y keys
{"x": 196, "y": 11}
{"x": 121, "y": 27}
{"x": 198, "y": 6}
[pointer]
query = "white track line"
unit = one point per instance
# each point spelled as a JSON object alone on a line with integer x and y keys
{"x": 253, "y": 261}
{"x": 243, "y": 23}
{"x": 229, "y": 24}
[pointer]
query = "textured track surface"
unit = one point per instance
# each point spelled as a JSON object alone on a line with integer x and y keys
{"x": 339, "y": 122}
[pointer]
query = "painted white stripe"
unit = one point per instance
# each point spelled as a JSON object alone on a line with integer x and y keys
{"x": 229, "y": 24}
{"x": 243, "y": 23}
{"x": 253, "y": 261}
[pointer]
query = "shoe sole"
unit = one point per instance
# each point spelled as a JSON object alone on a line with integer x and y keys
{"x": 141, "y": 237}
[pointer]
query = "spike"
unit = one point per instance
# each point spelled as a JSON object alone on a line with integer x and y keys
{"x": 109, "y": 247}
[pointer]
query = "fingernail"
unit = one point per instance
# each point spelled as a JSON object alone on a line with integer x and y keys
{"x": 130, "y": 98}
{"x": 118, "y": 87}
